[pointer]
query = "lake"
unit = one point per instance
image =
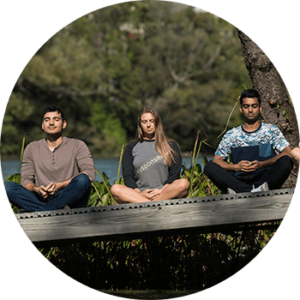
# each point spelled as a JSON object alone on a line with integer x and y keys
{"x": 107, "y": 165}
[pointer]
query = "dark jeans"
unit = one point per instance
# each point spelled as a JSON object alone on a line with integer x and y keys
{"x": 275, "y": 176}
{"x": 75, "y": 195}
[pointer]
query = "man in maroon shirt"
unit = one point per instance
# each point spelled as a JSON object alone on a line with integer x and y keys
{"x": 56, "y": 171}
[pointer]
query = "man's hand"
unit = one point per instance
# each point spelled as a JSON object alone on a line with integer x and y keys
{"x": 48, "y": 191}
{"x": 248, "y": 166}
{"x": 253, "y": 166}
{"x": 43, "y": 191}
{"x": 52, "y": 188}
{"x": 242, "y": 166}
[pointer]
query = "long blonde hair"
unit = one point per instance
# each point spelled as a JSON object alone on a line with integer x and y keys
{"x": 161, "y": 140}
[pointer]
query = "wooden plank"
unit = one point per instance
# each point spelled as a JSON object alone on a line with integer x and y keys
{"x": 155, "y": 220}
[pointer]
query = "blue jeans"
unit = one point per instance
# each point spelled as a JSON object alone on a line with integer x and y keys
{"x": 75, "y": 195}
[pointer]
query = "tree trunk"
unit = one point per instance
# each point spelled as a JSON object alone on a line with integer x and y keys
{"x": 277, "y": 107}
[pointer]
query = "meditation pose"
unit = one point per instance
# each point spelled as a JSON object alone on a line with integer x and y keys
{"x": 56, "y": 171}
{"x": 259, "y": 151}
{"x": 151, "y": 164}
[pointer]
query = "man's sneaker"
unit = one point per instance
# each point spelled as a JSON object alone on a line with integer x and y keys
{"x": 230, "y": 191}
{"x": 262, "y": 188}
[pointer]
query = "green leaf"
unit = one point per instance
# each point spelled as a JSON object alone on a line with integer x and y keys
{"x": 197, "y": 169}
{"x": 201, "y": 194}
{"x": 14, "y": 178}
{"x": 106, "y": 178}
{"x": 204, "y": 161}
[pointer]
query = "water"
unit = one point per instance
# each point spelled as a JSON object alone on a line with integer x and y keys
{"x": 107, "y": 165}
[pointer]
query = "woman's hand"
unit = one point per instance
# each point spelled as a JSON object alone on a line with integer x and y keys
{"x": 144, "y": 193}
{"x": 150, "y": 193}
{"x": 154, "y": 193}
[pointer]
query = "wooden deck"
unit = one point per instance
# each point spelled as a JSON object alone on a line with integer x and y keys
{"x": 182, "y": 216}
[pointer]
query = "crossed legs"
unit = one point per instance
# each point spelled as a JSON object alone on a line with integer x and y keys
{"x": 75, "y": 195}
{"x": 177, "y": 189}
{"x": 275, "y": 176}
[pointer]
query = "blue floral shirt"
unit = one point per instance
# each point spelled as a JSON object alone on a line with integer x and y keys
{"x": 260, "y": 144}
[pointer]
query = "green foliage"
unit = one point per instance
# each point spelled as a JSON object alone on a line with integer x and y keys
{"x": 99, "y": 195}
{"x": 107, "y": 133}
{"x": 104, "y": 67}
{"x": 17, "y": 120}
{"x": 180, "y": 262}
{"x": 200, "y": 185}
{"x": 14, "y": 178}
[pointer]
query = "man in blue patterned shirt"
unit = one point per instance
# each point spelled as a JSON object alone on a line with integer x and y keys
{"x": 259, "y": 151}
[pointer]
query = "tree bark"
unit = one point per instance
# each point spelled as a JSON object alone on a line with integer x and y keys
{"x": 277, "y": 107}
